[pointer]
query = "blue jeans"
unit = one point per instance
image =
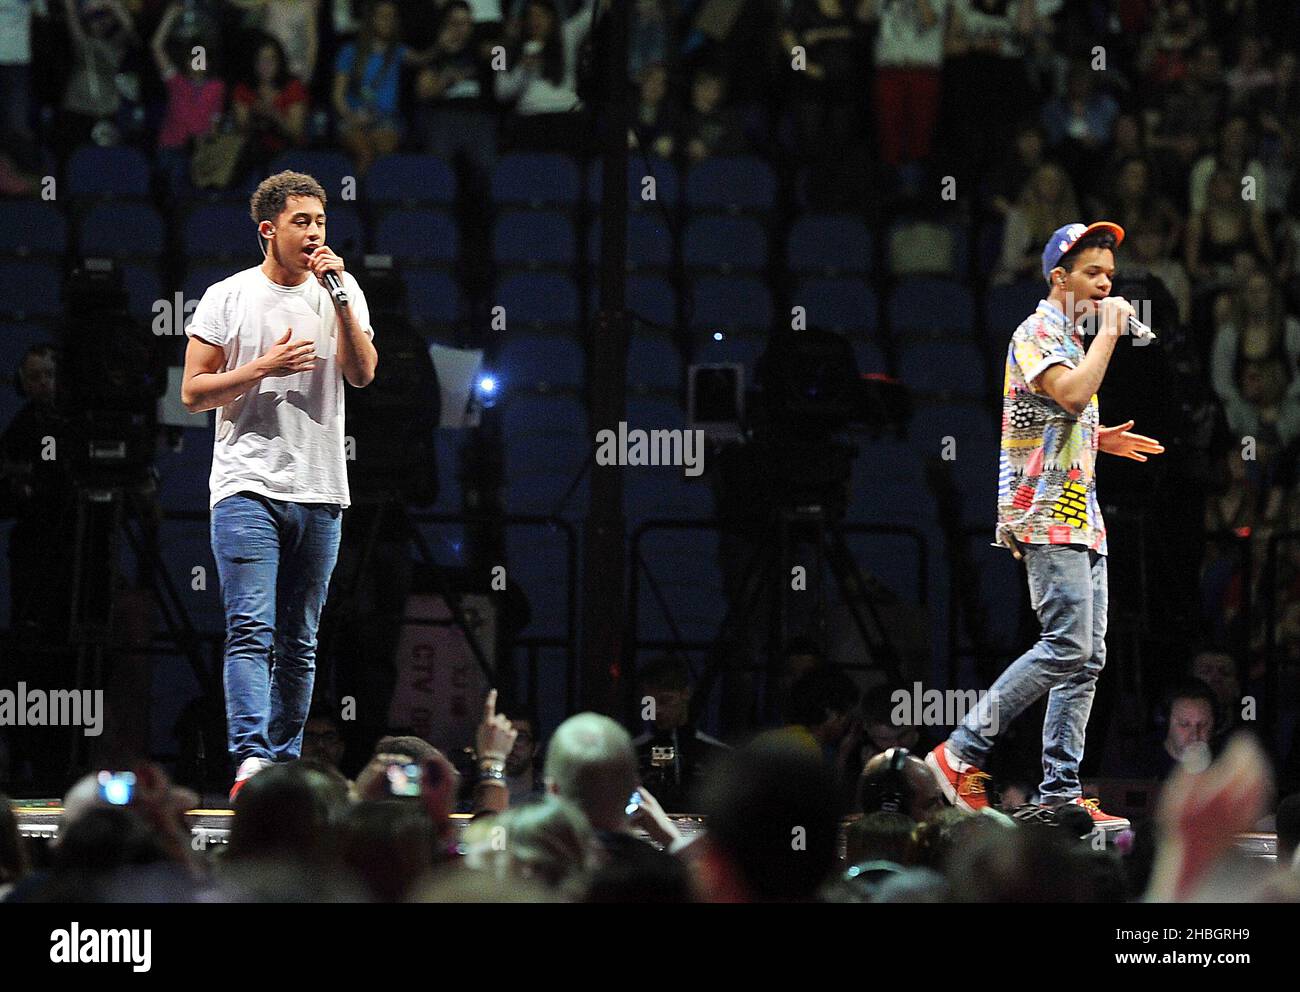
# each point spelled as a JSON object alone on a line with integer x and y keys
{"x": 274, "y": 560}
{"x": 1067, "y": 587}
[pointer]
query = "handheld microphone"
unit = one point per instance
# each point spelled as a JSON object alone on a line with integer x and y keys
{"x": 335, "y": 285}
{"x": 1135, "y": 328}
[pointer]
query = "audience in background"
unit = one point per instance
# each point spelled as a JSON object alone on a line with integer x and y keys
{"x": 102, "y": 33}
{"x": 1187, "y": 718}
{"x": 270, "y": 105}
{"x": 453, "y": 114}
{"x": 672, "y": 755}
{"x": 540, "y": 83}
{"x": 196, "y": 94}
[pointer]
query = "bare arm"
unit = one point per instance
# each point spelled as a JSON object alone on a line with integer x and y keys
{"x": 340, "y": 97}
{"x": 928, "y": 16}
{"x": 357, "y": 355}
{"x": 313, "y": 42}
{"x": 73, "y": 19}
{"x": 1074, "y": 388}
{"x": 158, "y": 45}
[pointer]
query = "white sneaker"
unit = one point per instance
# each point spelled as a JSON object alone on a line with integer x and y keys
{"x": 250, "y": 767}
{"x": 247, "y": 769}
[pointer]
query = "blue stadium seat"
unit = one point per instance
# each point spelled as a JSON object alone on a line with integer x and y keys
{"x": 731, "y": 304}
{"x": 975, "y": 471}
{"x": 433, "y": 297}
{"x": 183, "y": 475}
{"x": 411, "y": 180}
{"x": 653, "y": 363}
{"x": 846, "y": 306}
{"x": 683, "y": 566}
{"x": 988, "y": 247}
{"x": 1006, "y": 307}
{"x": 345, "y": 233}
{"x": 931, "y": 422}
{"x": 32, "y": 228}
{"x": 124, "y": 230}
{"x": 732, "y": 183}
{"x": 1001, "y": 591}
{"x": 30, "y": 289}
{"x": 328, "y": 168}
{"x": 184, "y": 545}
{"x": 535, "y": 178}
{"x": 533, "y": 239}
{"x": 887, "y": 485}
{"x": 447, "y": 443}
{"x": 143, "y": 289}
{"x": 651, "y": 301}
{"x": 200, "y": 277}
{"x": 665, "y": 493}
{"x": 667, "y": 186}
{"x": 924, "y": 247}
{"x": 725, "y": 244}
{"x": 547, "y": 444}
{"x": 540, "y": 362}
{"x": 893, "y": 559}
{"x": 830, "y": 244}
{"x": 220, "y": 230}
{"x": 95, "y": 172}
{"x": 930, "y": 306}
{"x": 654, "y": 413}
{"x": 537, "y": 559}
{"x": 539, "y": 300}
{"x": 956, "y": 368}
{"x": 649, "y": 298}
{"x": 427, "y": 237}
{"x": 649, "y": 243}
{"x": 870, "y": 358}
{"x": 737, "y": 348}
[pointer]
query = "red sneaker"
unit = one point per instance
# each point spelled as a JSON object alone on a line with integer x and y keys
{"x": 961, "y": 782}
{"x": 1100, "y": 820}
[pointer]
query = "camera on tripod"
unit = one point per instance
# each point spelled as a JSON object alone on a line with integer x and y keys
{"x": 114, "y": 372}
{"x": 784, "y": 441}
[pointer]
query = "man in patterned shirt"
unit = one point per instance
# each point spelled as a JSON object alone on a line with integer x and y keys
{"x": 1049, "y": 518}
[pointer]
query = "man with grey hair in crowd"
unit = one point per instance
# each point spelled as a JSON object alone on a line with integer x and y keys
{"x": 591, "y": 762}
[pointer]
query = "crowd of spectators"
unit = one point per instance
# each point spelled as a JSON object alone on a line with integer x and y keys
{"x": 777, "y": 828}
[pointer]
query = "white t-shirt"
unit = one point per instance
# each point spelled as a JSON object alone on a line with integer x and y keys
{"x": 284, "y": 437}
{"x": 903, "y": 42}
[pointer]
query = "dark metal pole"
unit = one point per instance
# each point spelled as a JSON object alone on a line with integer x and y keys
{"x": 603, "y": 560}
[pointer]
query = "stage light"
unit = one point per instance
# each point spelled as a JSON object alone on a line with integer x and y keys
{"x": 717, "y": 335}
{"x": 487, "y": 390}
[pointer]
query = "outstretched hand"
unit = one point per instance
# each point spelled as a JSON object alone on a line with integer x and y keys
{"x": 1118, "y": 440}
{"x": 1200, "y": 815}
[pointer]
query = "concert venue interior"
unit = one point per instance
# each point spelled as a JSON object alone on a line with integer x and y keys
{"x": 695, "y": 326}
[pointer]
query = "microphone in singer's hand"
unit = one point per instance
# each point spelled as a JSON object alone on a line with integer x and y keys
{"x": 1135, "y": 328}
{"x": 335, "y": 285}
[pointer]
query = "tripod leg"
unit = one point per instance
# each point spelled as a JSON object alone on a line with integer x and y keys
{"x": 449, "y": 596}
{"x": 853, "y": 587}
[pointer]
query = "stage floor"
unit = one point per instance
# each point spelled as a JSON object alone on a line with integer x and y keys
{"x": 39, "y": 818}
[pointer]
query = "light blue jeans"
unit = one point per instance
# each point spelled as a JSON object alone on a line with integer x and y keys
{"x": 274, "y": 560}
{"x": 1067, "y": 587}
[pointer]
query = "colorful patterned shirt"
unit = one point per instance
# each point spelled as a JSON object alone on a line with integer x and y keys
{"x": 1047, "y": 480}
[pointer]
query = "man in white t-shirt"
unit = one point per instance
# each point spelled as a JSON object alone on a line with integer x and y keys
{"x": 269, "y": 349}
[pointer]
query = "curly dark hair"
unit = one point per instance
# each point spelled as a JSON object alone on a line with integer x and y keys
{"x": 268, "y": 200}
